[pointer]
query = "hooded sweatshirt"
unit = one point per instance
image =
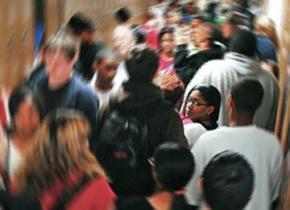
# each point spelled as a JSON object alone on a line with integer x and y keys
{"x": 224, "y": 73}
{"x": 146, "y": 101}
{"x": 187, "y": 66}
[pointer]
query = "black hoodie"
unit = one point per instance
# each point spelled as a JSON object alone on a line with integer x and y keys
{"x": 186, "y": 67}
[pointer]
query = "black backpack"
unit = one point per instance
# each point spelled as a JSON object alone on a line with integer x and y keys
{"x": 122, "y": 148}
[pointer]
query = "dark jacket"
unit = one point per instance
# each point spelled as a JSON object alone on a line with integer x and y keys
{"x": 145, "y": 103}
{"x": 146, "y": 100}
{"x": 186, "y": 67}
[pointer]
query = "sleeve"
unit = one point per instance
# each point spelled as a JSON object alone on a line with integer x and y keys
{"x": 276, "y": 175}
{"x": 182, "y": 64}
{"x": 193, "y": 191}
{"x": 192, "y": 132}
{"x": 273, "y": 112}
{"x": 88, "y": 103}
{"x": 174, "y": 130}
{"x": 104, "y": 198}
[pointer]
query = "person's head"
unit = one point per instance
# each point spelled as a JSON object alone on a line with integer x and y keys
{"x": 173, "y": 166}
{"x": 245, "y": 98}
{"x": 266, "y": 26}
{"x": 140, "y": 35}
{"x": 60, "y": 54}
{"x": 142, "y": 64}
{"x": 244, "y": 42}
{"x": 230, "y": 26}
{"x": 24, "y": 109}
{"x": 228, "y": 182}
{"x": 166, "y": 39}
{"x": 196, "y": 21}
{"x": 205, "y": 36}
{"x": 172, "y": 16}
{"x": 60, "y": 147}
{"x": 203, "y": 104}
{"x": 82, "y": 27}
{"x": 122, "y": 15}
{"x": 106, "y": 64}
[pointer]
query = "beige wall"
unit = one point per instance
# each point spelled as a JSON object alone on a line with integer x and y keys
{"x": 16, "y": 32}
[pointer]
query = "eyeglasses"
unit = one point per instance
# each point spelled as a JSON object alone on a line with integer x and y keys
{"x": 196, "y": 102}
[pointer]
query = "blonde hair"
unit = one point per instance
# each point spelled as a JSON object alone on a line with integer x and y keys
{"x": 59, "y": 147}
{"x": 63, "y": 40}
{"x": 266, "y": 27}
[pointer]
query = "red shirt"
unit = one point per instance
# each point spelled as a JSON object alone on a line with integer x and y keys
{"x": 95, "y": 195}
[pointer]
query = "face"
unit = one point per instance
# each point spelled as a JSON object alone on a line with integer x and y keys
{"x": 195, "y": 23}
{"x": 197, "y": 108}
{"x": 167, "y": 43}
{"x": 107, "y": 68}
{"x": 57, "y": 64}
{"x": 172, "y": 18}
{"x": 227, "y": 29}
{"x": 27, "y": 117}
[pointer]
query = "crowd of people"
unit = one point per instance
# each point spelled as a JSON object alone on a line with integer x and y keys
{"x": 178, "y": 114}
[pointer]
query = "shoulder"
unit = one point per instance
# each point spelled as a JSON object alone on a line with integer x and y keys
{"x": 97, "y": 194}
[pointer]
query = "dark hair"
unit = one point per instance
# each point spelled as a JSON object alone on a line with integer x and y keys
{"x": 212, "y": 96}
{"x": 248, "y": 95}
{"x": 122, "y": 15}
{"x": 228, "y": 181}
{"x": 163, "y": 31}
{"x": 79, "y": 23}
{"x": 142, "y": 64}
{"x": 105, "y": 53}
{"x": 18, "y": 95}
{"x": 174, "y": 166}
{"x": 244, "y": 42}
{"x": 139, "y": 34}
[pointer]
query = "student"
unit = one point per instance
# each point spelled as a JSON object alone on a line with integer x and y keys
{"x": 201, "y": 111}
{"x": 105, "y": 66}
{"x": 83, "y": 27}
{"x": 240, "y": 63}
{"x": 61, "y": 88}
{"x": 25, "y": 114}
{"x": 172, "y": 167}
{"x": 227, "y": 182}
{"x": 243, "y": 137}
{"x": 59, "y": 168}
{"x": 146, "y": 120}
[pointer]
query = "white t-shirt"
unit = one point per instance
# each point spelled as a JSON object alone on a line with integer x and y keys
{"x": 192, "y": 132}
{"x": 104, "y": 96}
{"x": 259, "y": 147}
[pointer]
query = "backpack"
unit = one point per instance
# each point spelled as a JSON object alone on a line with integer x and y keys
{"x": 122, "y": 148}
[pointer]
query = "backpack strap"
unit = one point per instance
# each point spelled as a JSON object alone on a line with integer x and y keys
{"x": 67, "y": 195}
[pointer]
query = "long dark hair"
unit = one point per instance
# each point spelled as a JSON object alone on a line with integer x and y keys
{"x": 212, "y": 96}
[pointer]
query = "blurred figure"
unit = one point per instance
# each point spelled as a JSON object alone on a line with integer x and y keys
{"x": 172, "y": 167}
{"x": 83, "y": 27}
{"x": 142, "y": 113}
{"x": 228, "y": 181}
{"x": 25, "y": 114}
{"x": 268, "y": 44}
{"x": 60, "y": 87}
{"x": 166, "y": 77}
{"x": 201, "y": 111}
{"x": 186, "y": 65}
{"x": 60, "y": 169}
{"x": 105, "y": 66}
{"x": 123, "y": 37}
